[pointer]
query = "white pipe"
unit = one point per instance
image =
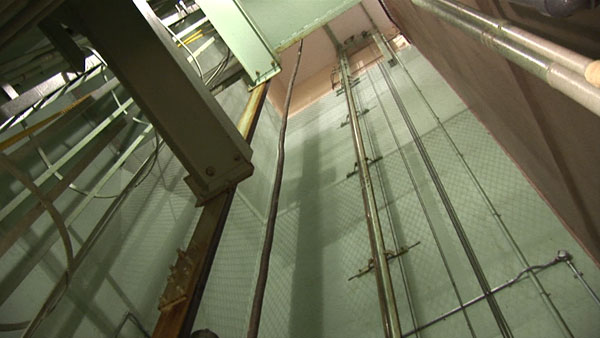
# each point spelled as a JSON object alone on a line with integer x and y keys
{"x": 562, "y": 69}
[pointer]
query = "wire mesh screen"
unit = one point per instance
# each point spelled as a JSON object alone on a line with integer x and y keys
{"x": 321, "y": 238}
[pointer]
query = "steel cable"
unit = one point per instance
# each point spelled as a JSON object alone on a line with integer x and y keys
{"x": 460, "y": 232}
{"x": 492, "y": 209}
{"x": 263, "y": 273}
{"x": 423, "y": 207}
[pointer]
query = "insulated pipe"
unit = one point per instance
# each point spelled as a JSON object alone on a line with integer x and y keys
{"x": 503, "y": 28}
{"x": 385, "y": 289}
{"x": 555, "y": 8}
{"x": 562, "y": 69}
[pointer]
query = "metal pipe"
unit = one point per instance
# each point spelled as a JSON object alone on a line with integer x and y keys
{"x": 263, "y": 272}
{"x": 385, "y": 289}
{"x": 503, "y": 228}
{"x": 566, "y": 257}
{"x": 378, "y": 172}
{"x": 456, "y": 223}
{"x": 421, "y": 200}
{"x": 481, "y": 297}
{"x": 503, "y": 28}
{"x": 557, "y": 66}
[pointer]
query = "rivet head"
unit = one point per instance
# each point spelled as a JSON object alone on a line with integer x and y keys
{"x": 210, "y": 171}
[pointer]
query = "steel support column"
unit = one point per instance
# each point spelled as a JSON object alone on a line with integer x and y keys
{"x": 179, "y": 303}
{"x": 385, "y": 289}
{"x": 168, "y": 90}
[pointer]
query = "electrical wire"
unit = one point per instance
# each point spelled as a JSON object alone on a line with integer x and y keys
{"x": 263, "y": 271}
{"x": 187, "y": 49}
{"x": 220, "y": 68}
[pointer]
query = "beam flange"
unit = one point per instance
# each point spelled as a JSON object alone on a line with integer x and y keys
{"x": 181, "y": 298}
{"x": 141, "y": 53}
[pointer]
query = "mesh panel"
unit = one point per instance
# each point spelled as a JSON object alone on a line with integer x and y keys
{"x": 321, "y": 238}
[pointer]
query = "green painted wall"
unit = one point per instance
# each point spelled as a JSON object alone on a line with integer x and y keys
{"x": 321, "y": 237}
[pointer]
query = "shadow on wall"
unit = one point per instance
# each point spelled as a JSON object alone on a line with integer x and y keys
{"x": 306, "y": 317}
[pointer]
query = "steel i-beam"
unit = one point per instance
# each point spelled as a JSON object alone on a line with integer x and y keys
{"x": 166, "y": 87}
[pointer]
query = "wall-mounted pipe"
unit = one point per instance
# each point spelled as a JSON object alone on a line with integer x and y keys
{"x": 572, "y": 74}
{"x": 519, "y": 277}
{"x": 385, "y": 289}
{"x": 499, "y": 221}
{"x": 555, "y": 8}
{"x": 449, "y": 207}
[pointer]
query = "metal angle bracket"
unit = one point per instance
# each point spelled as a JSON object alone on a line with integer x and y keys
{"x": 347, "y": 121}
{"x": 141, "y": 53}
{"x": 243, "y": 37}
{"x": 389, "y": 254}
{"x": 369, "y": 163}
{"x": 353, "y": 83}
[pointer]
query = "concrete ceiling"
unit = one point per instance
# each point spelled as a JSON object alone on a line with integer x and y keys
{"x": 319, "y": 56}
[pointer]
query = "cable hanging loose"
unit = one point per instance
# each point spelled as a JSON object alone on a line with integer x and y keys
{"x": 263, "y": 271}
